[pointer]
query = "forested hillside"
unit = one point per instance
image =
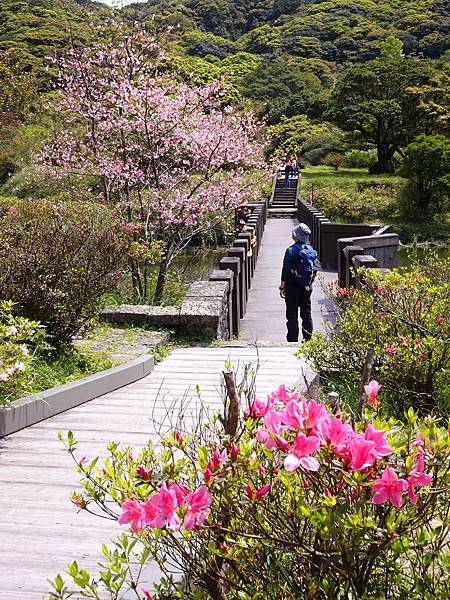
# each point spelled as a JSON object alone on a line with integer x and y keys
{"x": 342, "y": 31}
{"x": 378, "y": 70}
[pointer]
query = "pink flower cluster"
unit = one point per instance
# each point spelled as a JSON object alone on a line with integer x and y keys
{"x": 17, "y": 367}
{"x": 161, "y": 509}
{"x": 288, "y": 415}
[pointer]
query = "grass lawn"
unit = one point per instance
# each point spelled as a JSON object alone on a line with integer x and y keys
{"x": 322, "y": 176}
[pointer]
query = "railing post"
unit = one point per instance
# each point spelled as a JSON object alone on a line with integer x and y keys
{"x": 248, "y": 237}
{"x": 233, "y": 263}
{"x": 244, "y": 244}
{"x": 347, "y": 277}
{"x": 240, "y": 254}
{"x": 366, "y": 261}
{"x": 226, "y": 275}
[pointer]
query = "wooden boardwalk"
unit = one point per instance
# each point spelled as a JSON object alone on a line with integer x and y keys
{"x": 265, "y": 319}
{"x": 40, "y": 529}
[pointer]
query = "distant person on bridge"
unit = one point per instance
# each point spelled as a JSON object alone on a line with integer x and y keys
{"x": 287, "y": 175}
{"x": 294, "y": 167}
{"x": 300, "y": 268}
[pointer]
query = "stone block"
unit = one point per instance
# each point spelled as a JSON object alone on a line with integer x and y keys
{"x": 204, "y": 316}
{"x": 125, "y": 313}
{"x": 207, "y": 289}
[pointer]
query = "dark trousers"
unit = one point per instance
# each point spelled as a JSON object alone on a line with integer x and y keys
{"x": 298, "y": 298}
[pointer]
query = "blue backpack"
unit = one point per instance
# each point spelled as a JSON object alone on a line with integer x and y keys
{"x": 307, "y": 266}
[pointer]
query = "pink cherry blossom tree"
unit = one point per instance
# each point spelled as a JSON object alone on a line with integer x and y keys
{"x": 173, "y": 159}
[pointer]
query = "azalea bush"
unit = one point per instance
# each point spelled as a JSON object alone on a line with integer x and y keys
{"x": 404, "y": 317}
{"x": 57, "y": 259}
{"x": 370, "y": 204}
{"x": 291, "y": 501}
{"x": 16, "y": 334}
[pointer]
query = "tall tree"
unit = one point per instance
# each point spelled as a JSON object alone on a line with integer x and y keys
{"x": 171, "y": 158}
{"x": 377, "y": 102}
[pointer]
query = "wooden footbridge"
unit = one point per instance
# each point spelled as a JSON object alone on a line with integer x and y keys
{"x": 40, "y": 529}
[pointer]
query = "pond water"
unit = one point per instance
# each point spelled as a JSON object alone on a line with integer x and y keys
{"x": 407, "y": 255}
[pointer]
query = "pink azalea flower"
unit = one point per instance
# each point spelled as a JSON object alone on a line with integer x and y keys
{"x": 389, "y": 487}
{"x": 197, "y": 504}
{"x": 259, "y": 408}
{"x": 181, "y": 491}
{"x": 372, "y": 390}
{"x": 300, "y": 453}
{"x": 404, "y": 340}
{"x": 362, "y": 453}
{"x": 292, "y": 415}
{"x": 219, "y": 457}
{"x": 338, "y": 435}
{"x": 272, "y": 435}
{"x": 234, "y": 451}
{"x": 149, "y": 513}
{"x": 131, "y": 513}
{"x": 316, "y": 417}
{"x": 282, "y": 394}
{"x": 260, "y": 493}
{"x": 273, "y": 421}
{"x": 390, "y": 349}
{"x": 166, "y": 503}
{"x": 216, "y": 462}
{"x": 440, "y": 320}
{"x": 376, "y": 436}
{"x": 142, "y": 472}
{"x": 249, "y": 491}
{"x": 147, "y": 594}
{"x": 417, "y": 478}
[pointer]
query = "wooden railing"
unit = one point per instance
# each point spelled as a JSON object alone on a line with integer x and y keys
{"x": 338, "y": 244}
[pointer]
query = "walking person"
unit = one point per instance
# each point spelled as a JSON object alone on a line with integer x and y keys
{"x": 294, "y": 167}
{"x": 300, "y": 268}
{"x": 287, "y": 175}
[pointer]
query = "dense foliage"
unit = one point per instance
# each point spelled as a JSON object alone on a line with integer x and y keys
{"x": 57, "y": 258}
{"x": 405, "y": 319}
{"x": 427, "y": 166}
{"x": 16, "y": 333}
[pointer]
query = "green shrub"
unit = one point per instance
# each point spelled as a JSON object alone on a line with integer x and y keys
{"x": 360, "y": 159}
{"x": 427, "y": 166}
{"x": 422, "y": 232}
{"x": 316, "y": 148}
{"x": 57, "y": 259}
{"x": 16, "y": 335}
{"x": 405, "y": 319}
{"x": 333, "y": 159}
{"x": 351, "y": 206}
